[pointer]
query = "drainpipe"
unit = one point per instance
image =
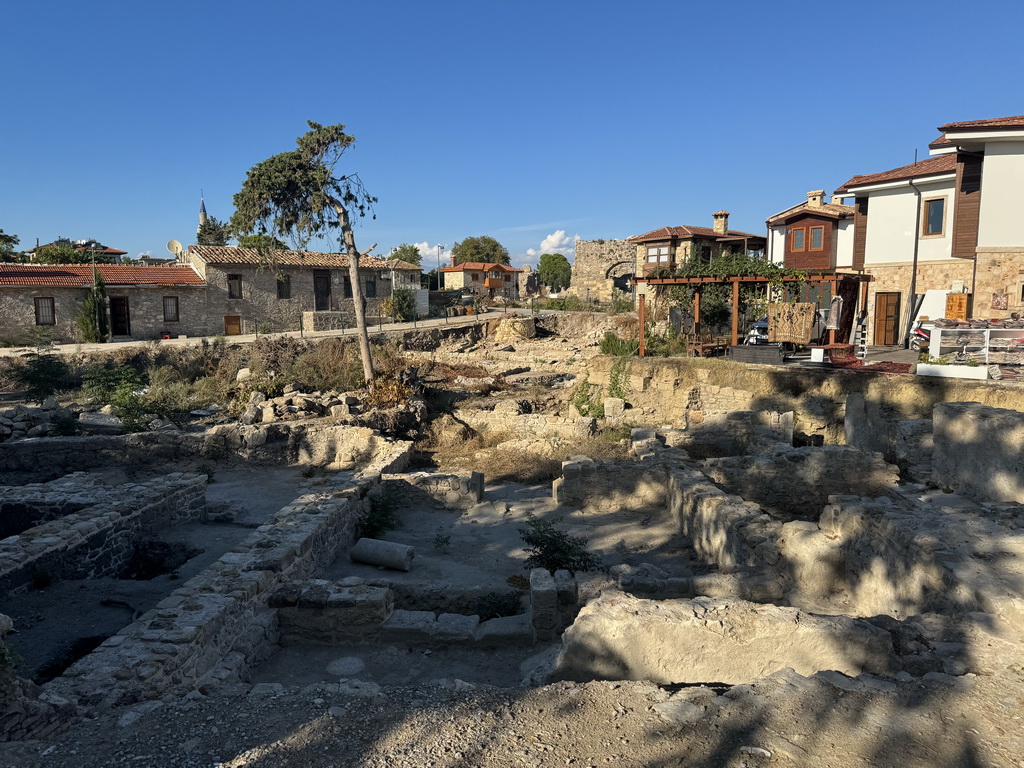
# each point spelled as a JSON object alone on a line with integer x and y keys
{"x": 913, "y": 273}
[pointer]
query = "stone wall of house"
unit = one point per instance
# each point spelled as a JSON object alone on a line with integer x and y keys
{"x": 999, "y": 272}
{"x": 597, "y": 261}
{"x": 977, "y": 451}
{"x": 930, "y": 276}
{"x": 145, "y": 310}
{"x": 99, "y": 540}
{"x": 344, "y": 317}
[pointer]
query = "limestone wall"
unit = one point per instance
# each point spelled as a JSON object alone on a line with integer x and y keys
{"x": 597, "y": 261}
{"x": 449, "y": 491}
{"x": 526, "y": 424}
{"x": 218, "y": 624}
{"x": 798, "y": 482}
{"x": 977, "y": 451}
{"x": 609, "y": 486}
{"x": 100, "y": 540}
{"x": 737, "y": 432}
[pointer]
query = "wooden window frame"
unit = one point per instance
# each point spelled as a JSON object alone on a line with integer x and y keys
{"x": 810, "y": 239}
{"x": 51, "y": 303}
{"x": 234, "y": 281}
{"x": 176, "y": 315}
{"x": 925, "y": 207}
{"x": 792, "y": 239}
{"x": 284, "y": 287}
{"x": 370, "y": 287}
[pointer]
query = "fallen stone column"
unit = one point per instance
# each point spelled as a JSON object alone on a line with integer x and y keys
{"x": 386, "y": 553}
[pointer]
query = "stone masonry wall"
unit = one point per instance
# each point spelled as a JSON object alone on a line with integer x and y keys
{"x": 977, "y": 451}
{"x": 450, "y": 491}
{"x": 527, "y": 424}
{"x": 218, "y": 624}
{"x": 595, "y": 259}
{"x": 797, "y": 483}
{"x": 608, "y": 486}
{"x": 99, "y": 541}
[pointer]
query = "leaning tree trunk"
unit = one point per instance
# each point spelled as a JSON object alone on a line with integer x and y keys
{"x": 357, "y": 292}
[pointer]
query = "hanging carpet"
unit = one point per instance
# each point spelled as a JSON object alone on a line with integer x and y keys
{"x": 791, "y": 323}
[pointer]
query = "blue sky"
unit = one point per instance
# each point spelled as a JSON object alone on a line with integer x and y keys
{"x": 532, "y": 122}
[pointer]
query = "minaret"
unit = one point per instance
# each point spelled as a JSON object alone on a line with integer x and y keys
{"x": 202, "y": 214}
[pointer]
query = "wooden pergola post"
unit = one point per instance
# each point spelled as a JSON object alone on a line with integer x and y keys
{"x": 735, "y": 312}
{"x": 640, "y": 318}
{"x": 696, "y": 311}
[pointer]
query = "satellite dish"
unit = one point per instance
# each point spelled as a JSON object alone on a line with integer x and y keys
{"x": 174, "y": 247}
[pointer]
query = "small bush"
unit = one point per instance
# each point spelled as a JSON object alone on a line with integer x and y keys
{"x": 555, "y": 550}
{"x": 381, "y": 517}
{"x": 587, "y": 399}
{"x": 401, "y": 304}
{"x": 612, "y": 344}
{"x": 386, "y": 393}
{"x": 63, "y": 424}
{"x": 101, "y": 383}
{"x": 42, "y": 374}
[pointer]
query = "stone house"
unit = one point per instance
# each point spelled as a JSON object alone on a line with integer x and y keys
{"x": 951, "y": 222}
{"x": 665, "y": 248}
{"x": 483, "y": 279}
{"x": 602, "y": 269}
{"x": 144, "y": 302}
{"x": 246, "y": 293}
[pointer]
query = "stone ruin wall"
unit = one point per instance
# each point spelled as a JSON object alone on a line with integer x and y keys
{"x": 100, "y": 540}
{"x": 594, "y": 259}
{"x": 977, "y": 451}
{"x": 609, "y": 486}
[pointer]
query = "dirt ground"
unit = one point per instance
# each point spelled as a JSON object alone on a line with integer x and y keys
{"x": 454, "y": 724}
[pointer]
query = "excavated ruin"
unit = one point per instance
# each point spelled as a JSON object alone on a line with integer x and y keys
{"x": 795, "y": 536}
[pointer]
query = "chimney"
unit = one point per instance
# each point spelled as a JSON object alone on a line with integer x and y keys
{"x": 721, "y": 222}
{"x": 815, "y": 198}
{"x": 453, "y": 259}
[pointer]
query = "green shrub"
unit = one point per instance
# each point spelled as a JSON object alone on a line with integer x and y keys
{"x": 101, "y": 382}
{"x": 618, "y": 379}
{"x": 621, "y": 302}
{"x": 63, "y": 424}
{"x": 555, "y": 550}
{"x": 42, "y": 373}
{"x": 401, "y": 304}
{"x": 127, "y": 404}
{"x": 612, "y": 344}
{"x": 587, "y": 399}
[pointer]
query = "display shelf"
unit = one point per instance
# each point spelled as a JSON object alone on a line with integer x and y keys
{"x": 1002, "y": 346}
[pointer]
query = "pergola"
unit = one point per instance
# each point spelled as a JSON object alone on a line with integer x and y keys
{"x": 834, "y": 279}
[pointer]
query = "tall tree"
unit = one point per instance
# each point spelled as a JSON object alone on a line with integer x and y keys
{"x": 93, "y": 321}
{"x": 7, "y": 247}
{"x": 297, "y": 193}
{"x": 554, "y": 271}
{"x": 481, "y": 248}
{"x": 213, "y": 232}
{"x": 262, "y": 242}
{"x": 407, "y": 252}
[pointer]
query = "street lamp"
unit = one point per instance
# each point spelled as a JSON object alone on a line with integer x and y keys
{"x": 439, "y": 249}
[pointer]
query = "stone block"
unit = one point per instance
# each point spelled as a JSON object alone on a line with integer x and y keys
{"x": 409, "y": 627}
{"x": 505, "y": 631}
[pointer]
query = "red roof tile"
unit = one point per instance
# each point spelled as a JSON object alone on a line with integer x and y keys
{"x": 942, "y": 141}
{"x": 480, "y": 266}
{"x": 930, "y": 167}
{"x": 993, "y": 123}
{"x": 80, "y": 275}
{"x": 830, "y": 210}
{"x": 682, "y": 232}
{"x": 223, "y": 254}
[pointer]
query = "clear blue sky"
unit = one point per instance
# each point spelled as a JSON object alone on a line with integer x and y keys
{"x": 517, "y": 120}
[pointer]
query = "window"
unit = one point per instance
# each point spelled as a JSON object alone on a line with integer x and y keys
{"x": 371, "y": 287}
{"x": 45, "y": 313}
{"x": 934, "y": 216}
{"x": 284, "y": 286}
{"x": 234, "y": 286}
{"x": 476, "y": 277}
{"x": 817, "y": 238}
{"x": 797, "y": 241}
{"x": 657, "y": 253}
{"x": 170, "y": 309}
{"x": 348, "y": 288}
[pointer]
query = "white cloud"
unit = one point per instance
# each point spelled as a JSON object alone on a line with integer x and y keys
{"x": 429, "y": 254}
{"x": 557, "y": 242}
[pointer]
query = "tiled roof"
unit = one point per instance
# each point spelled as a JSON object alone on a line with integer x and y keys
{"x": 91, "y": 246}
{"x": 832, "y": 210}
{"x": 80, "y": 275}
{"x": 942, "y": 141}
{"x": 1017, "y": 121}
{"x": 400, "y": 264}
{"x": 224, "y": 254}
{"x": 479, "y": 266}
{"x": 667, "y": 233}
{"x": 929, "y": 167}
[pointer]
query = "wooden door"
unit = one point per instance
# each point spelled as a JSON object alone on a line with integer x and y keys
{"x": 120, "y": 320}
{"x": 887, "y": 319}
{"x": 321, "y": 290}
{"x": 232, "y": 325}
